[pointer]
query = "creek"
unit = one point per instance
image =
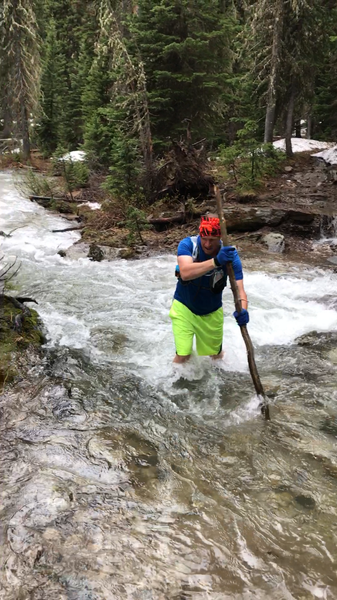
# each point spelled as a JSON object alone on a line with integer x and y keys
{"x": 124, "y": 476}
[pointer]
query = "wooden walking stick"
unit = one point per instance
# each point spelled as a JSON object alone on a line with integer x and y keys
{"x": 249, "y": 346}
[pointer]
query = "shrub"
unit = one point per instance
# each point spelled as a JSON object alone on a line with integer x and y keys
{"x": 250, "y": 162}
{"x": 31, "y": 183}
{"x": 136, "y": 222}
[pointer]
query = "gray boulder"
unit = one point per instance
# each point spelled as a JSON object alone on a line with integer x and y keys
{"x": 275, "y": 242}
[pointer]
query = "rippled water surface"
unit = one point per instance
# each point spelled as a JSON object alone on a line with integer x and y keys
{"x": 125, "y": 477}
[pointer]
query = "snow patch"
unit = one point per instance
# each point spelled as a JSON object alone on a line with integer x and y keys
{"x": 75, "y": 156}
{"x": 92, "y": 205}
{"x": 302, "y": 144}
{"x": 329, "y": 156}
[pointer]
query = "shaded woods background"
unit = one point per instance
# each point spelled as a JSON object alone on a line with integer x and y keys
{"x": 123, "y": 80}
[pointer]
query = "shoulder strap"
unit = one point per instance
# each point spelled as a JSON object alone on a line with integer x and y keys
{"x": 195, "y": 250}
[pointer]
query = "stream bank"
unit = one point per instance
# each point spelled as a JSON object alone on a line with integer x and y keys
{"x": 21, "y": 338}
{"x": 299, "y": 205}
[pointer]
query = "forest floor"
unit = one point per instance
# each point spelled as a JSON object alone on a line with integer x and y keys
{"x": 303, "y": 187}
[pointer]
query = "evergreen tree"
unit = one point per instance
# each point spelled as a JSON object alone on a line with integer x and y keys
{"x": 70, "y": 35}
{"x": 97, "y": 130}
{"x": 323, "y": 113}
{"x": 54, "y": 92}
{"x": 20, "y": 41}
{"x": 185, "y": 47}
{"x": 123, "y": 124}
{"x": 305, "y": 41}
{"x": 286, "y": 41}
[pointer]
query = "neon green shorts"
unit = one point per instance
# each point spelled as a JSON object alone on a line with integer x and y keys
{"x": 207, "y": 329}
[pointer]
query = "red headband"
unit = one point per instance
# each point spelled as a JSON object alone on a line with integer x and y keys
{"x": 210, "y": 226}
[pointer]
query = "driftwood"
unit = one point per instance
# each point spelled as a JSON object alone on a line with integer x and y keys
{"x": 161, "y": 223}
{"x": 67, "y": 229}
{"x": 244, "y": 331}
{"x": 21, "y": 300}
{"x": 45, "y": 198}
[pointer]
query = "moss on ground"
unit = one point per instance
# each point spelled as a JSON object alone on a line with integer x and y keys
{"x": 12, "y": 342}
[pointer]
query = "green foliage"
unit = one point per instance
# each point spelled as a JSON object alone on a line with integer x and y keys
{"x": 67, "y": 61}
{"x": 20, "y": 62}
{"x": 32, "y": 183}
{"x": 136, "y": 222}
{"x": 325, "y": 101}
{"x": 185, "y": 47}
{"x": 120, "y": 81}
{"x": 75, "y": 173}
{"x": 98, "y": 131}
{"x": 126, "y": 169}
{"x": 74, "y": 176}
{"x": 250, "y": 162}
{"x": 54, "y": 90}
{"x": 13, "y": 342}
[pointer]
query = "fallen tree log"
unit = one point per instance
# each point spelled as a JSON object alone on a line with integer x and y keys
{"x": 21, "y": 300}
{"x": 161, "y": 223}
{"x": 46, "y": 198}
{"x": 67, "y": 229}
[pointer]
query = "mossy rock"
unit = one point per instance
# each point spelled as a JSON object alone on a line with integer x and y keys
{"x": 95, "y": 253}
{"x": 127, "y": 252}
{"x": 14, "y": 342}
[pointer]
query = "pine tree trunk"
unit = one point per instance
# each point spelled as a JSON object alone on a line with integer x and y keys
{"x": 274, "y": 73}
{"x": 289, "y": 123}
{"x": 146, "y": 146}
{"x": 309, "y": 127}
{"x": 298, "y": 128}
{"x": 269, "y": 124}
{"x": 7, "y": 120}
{"x": 25, "y": 133}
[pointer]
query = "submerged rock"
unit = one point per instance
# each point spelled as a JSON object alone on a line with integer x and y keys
{"x": 305, "y": 501}
{"x": 329, "y": 425}
{"x": 320, "y": 340}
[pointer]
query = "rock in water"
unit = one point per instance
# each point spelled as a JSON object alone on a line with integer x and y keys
{"x": 305, "y": 501}
{"x": 274, "y": 241}
{"x": 95, "y": 253}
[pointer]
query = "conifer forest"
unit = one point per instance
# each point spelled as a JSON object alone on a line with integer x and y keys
{"x": 127, "y": 81}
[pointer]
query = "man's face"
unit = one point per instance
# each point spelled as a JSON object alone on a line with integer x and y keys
{"x": 210, "y": 245}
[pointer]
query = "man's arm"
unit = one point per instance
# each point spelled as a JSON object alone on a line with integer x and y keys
{"x": 192, "y": 270}
{"x": 242, "y": 294}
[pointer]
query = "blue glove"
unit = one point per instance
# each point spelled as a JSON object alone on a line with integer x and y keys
{"x": 225, "y": 255}
{"x": 242, "y": 318}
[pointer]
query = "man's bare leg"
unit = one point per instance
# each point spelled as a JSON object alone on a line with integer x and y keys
{"x": 218, "y": 356}
{"x": 181, "y": 359}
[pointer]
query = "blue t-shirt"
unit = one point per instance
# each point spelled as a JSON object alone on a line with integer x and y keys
{"x": 197, "y": 294}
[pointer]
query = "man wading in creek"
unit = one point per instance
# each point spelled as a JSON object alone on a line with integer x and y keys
{"x": 197, "y": 305}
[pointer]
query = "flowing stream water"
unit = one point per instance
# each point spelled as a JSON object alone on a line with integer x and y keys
{"x": 124, "y": 476}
